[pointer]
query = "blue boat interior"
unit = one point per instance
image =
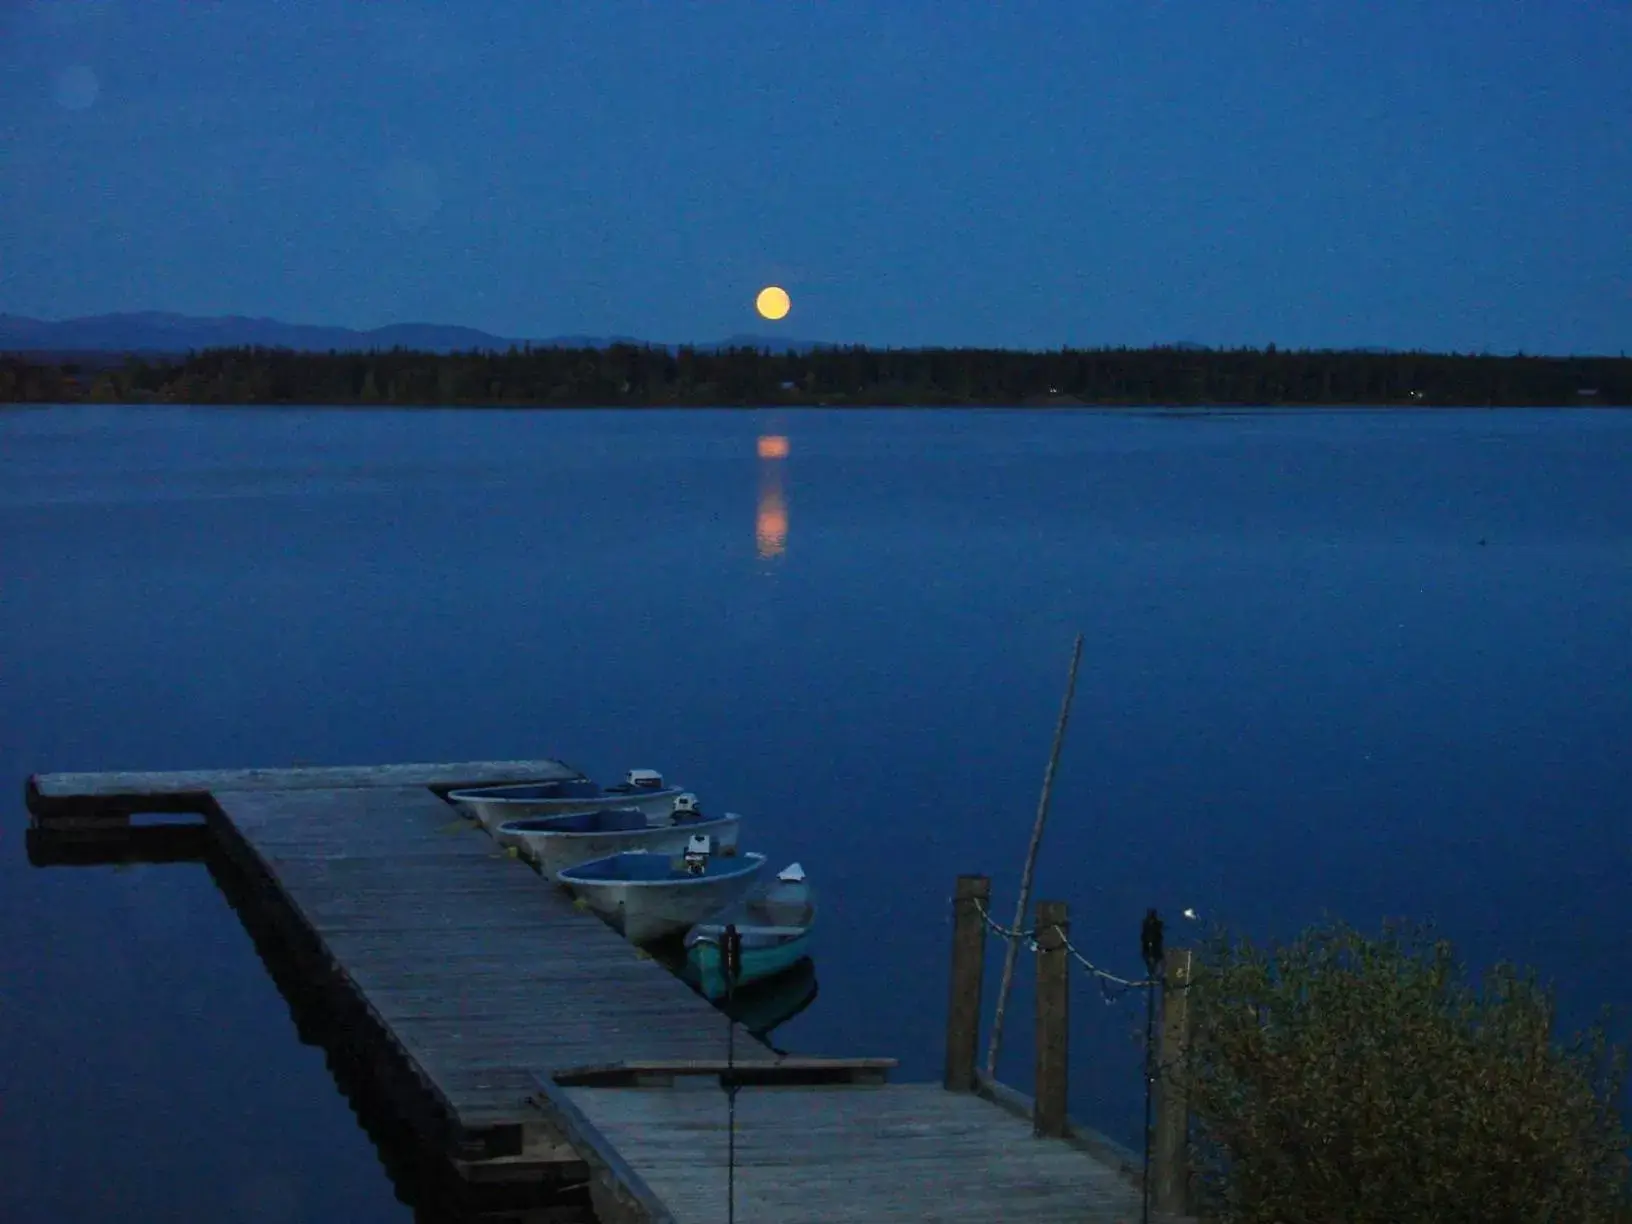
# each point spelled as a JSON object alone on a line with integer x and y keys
{"x": 605, "y": 820}
{"x": 631, "y": 865}
{"x": 578, "y": 788}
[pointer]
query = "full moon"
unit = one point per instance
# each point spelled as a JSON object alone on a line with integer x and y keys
{"x": 772, "y": 302}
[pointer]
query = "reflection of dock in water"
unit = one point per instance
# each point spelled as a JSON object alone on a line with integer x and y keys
{"x": 377, "y": 1088}
{"x": 382, "y": 1091}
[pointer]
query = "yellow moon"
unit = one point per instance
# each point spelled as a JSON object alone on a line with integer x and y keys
{"x": 772, "y": 302}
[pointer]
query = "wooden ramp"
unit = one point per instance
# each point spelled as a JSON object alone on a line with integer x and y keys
{"x": 824, "y": 1155}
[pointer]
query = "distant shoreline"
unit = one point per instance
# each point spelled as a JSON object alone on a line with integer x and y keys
{"x": 631, "y": 376}
{"x": 1197, "y": 410}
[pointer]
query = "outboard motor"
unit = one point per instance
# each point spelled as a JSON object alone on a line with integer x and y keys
{"x": 645, "y": 779}
{"x": 697, "y": 852}
{"x": 685, "y": 808}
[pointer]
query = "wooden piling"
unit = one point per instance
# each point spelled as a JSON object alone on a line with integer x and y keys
{"x": 1053, "y": 1018}
{"x": 1169, "y": 1152}
{"x": 968, "y": 969}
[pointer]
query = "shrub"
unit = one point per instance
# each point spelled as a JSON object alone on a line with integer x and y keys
{"x": 1362, "y": 1080}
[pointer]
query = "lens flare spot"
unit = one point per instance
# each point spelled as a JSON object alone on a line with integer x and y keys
{"x": 77, "y": 88}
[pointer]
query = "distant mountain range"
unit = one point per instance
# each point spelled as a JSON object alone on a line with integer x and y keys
{"x": 158, "y": 333}
{"x": 155, "y": 332}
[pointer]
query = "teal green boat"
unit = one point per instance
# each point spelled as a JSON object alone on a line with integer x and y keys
{"x": 768, "y": 1005}
{"x": 774, "y": 921}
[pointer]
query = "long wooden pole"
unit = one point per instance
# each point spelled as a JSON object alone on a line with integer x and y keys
{"x": 1013, "y": 949}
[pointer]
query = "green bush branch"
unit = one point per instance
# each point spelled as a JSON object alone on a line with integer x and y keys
{"x": 1368, "y": 1081}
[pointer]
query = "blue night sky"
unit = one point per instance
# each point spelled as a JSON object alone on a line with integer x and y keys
{"x": 1449, "y": 174}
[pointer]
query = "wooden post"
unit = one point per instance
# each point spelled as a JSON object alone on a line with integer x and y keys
{"x": 1169, "y": 1150}
{"x": 1053, "y": 1017}
{"x": 968, "y": 969}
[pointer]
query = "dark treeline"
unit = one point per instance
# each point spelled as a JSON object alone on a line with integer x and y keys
{"x": 651, "y": 376}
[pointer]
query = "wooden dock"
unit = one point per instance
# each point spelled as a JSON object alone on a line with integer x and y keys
{"x": 825, "y": 1155}
{"x": 526, "y": 1041}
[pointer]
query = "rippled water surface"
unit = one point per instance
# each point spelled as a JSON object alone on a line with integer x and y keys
{"x": 1365, "y": 663}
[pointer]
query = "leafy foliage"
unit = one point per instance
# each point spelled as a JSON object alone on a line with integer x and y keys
{"x": 1368, "y": 1081}
{"x": 645, "y": 375}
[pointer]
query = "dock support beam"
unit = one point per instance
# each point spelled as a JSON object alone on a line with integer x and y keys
{"x": 1170, "y": 1154}
{"x": 968, "y": 968}
{"x": 1053, "y": 1020}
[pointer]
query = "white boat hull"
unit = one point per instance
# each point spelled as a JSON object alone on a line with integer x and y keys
{"x": 555, "y": 850}
{"x": 649, "y": 910}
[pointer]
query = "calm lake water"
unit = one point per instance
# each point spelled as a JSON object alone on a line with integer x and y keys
{"x": 1358, "y": 663}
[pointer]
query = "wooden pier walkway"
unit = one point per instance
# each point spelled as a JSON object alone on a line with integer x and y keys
{"x": 525, "y": 1039}
{"x": 826, "y": 1155}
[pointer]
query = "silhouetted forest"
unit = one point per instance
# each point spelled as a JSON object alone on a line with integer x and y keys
{"x": 630, "y": 375}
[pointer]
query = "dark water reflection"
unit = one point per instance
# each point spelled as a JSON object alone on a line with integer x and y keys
{"x": 1359, "y": 662}
{"x": 419, "y": 1176}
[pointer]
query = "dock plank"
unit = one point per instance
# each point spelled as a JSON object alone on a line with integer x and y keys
{"x": 817, "y": 1155}
{"x": 397, "y": 892}
{"x": 64, "y": 794}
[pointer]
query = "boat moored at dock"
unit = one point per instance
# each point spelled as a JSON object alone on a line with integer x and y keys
{"x": 774, "y": 922}
{"x": 555, "y": 843}
{"x": 649, "y": 896}
{"x": 491, "y": 806}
